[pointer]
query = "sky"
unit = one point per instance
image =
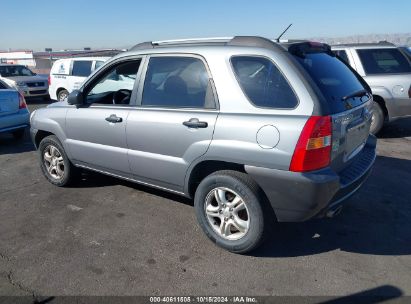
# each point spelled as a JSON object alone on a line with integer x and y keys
{"x": 121, "y": 23}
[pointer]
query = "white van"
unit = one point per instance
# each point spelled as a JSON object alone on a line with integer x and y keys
{"x": 68, "y": 74}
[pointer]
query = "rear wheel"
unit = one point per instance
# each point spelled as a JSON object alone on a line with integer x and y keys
{"x": 62, "y": 95}
{"x": 54, "y": 163}
{"x": 377, "y": 119}
{"x": 228, "y": 206}
{"x": 18, "y": 134}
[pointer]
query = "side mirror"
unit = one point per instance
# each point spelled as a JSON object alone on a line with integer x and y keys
{"x": 75, "y": 98}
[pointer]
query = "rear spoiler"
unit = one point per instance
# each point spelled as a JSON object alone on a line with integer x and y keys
{"x": 309, "y": 47}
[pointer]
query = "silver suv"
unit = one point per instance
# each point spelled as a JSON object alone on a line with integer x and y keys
{"x": 255, "y": 131}
{"x": 387, "y": 71}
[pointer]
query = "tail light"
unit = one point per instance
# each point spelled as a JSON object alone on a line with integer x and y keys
{"x": 22, "y": 102}
{"x": 409, "y": 92}
{"x": 49, "y": 80}
{"x": 313, "y": 150}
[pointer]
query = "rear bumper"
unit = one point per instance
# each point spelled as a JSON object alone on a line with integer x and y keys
{"x": 297, "y": 197}
{"x": 20, "y": 120}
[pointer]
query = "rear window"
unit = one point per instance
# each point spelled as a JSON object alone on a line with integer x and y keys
{"x": 384, "y": 61}
{"x": 81, "y": 68}
{"x": 264, "y": 85}
{"x": 334, "y": 79}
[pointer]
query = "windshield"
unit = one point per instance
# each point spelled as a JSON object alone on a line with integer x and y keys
{"x": 15, "y": 71}
{"x": 335, "y": 79}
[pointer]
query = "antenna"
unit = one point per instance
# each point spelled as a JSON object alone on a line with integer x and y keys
{"x": 278, "y": 39}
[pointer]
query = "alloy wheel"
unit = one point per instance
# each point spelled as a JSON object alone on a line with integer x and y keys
{"x": 227, "y": 213}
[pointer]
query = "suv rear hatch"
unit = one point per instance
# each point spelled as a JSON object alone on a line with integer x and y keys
{"x": 343, "y": 95}
{"x": 9, "y": 102}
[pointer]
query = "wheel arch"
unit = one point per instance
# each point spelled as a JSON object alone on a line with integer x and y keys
{"x": 40, "y": 135}
{"x": 204, "y": 168}
{"x": 381, "y": 102}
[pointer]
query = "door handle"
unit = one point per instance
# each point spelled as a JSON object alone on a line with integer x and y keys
{"x": 114, "y": 118}
{"x": 195, "y": 123}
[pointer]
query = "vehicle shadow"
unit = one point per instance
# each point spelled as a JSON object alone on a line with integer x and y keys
{"x": 397, "y": 129}
{"x": 374, "y": 295}
{"x": 91, "y": 179}
{"x": 10, "y": 145}
{"x": 377, "y": 220}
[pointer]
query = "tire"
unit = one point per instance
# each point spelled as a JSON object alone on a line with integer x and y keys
{"x": 18, "y": 134}
{"x": 228, "y": 183}
{"x": 377, "y": 121}
{"x": 63, "y": 172}
{"x": 62, "y": 95}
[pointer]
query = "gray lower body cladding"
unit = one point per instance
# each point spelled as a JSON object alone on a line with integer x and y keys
{"x": 297, "y": 197}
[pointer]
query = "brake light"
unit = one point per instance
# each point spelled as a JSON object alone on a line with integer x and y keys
{"x": 49, "y": 80}
{"x": 22, "y": 102}
{"x": 313, "y": 150}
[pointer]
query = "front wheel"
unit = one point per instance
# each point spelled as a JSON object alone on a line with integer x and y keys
{"x": 63, "y": 95}
{"x": 54, "y": 163}
{"x": 228, "y": 206}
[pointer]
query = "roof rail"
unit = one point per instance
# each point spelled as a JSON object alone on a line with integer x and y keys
{"x": 142, "y": 46}
{"x": 253, "y": 41}
{"x": 193, "y": 40}
{"x": 366, "y": 43}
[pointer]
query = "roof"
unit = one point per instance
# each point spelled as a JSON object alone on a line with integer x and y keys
{"x": 246, "y": 41}
{"x": 381, "y": 44}
{"x": 86, "y": 58}
{"x": 12, "y": 64}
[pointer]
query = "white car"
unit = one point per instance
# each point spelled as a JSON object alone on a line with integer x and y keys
{"x": 68, "y": 74}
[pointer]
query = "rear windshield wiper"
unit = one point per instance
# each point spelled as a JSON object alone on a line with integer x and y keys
{"x": 359, "y": 93}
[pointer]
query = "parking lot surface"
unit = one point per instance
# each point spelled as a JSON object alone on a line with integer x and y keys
{"x": 105, "y": 236}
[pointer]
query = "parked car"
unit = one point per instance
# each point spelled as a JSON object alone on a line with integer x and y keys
{"x": 254, "y": 131}
{"x": 14, "y": 115}
{"x": 388, "y": 72}
{"x": 24, "y": 80}
{"x": 68, "y": 74}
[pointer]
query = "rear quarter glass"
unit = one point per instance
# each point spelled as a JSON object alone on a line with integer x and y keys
{"x": 334, "y": 79}
{"x": 263, "y": 83}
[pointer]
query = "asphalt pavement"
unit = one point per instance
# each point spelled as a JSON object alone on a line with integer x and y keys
{"x": 110, "y": 237}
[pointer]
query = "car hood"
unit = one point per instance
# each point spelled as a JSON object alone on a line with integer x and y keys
{"x": 58, "y": 104}
{"x": 27, "y": 78}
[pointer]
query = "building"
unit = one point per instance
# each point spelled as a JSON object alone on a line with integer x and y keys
{"x": 41, "y": 62}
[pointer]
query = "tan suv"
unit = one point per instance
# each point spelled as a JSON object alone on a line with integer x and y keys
{"x": 24, "y": 80}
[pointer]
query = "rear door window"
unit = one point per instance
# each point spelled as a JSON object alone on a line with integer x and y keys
{"x": 262, "y": 82}
{"x": 334, "y": 79}
{"x": 81, "y": 68}
{"x": 177, "y": 82}
{"x": 384, "y": 61}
